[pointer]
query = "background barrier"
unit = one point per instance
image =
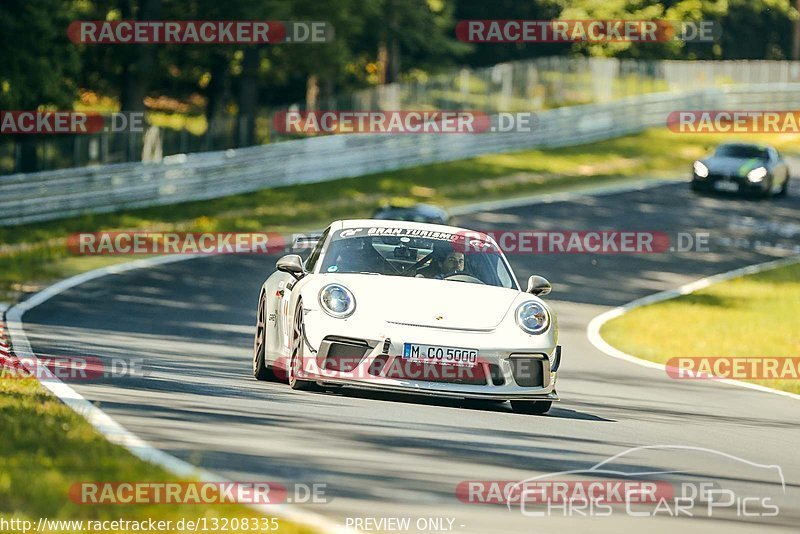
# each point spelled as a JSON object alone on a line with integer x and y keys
{"x": 50, "y": 195}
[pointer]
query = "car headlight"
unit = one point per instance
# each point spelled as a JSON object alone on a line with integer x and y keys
{"x": 757, "y": 174}
{"x": 532, "y": 317}
{"x": 337, "y": 301}
{"x": 700, "y": 169}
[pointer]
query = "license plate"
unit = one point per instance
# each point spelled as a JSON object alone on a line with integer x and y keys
{"x": 440, "y": 355}
{"x": 726, "y": 186}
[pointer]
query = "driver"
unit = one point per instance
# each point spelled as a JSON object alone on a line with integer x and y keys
{"x": 443, "y": 263}
{"x": 454, "y": 261}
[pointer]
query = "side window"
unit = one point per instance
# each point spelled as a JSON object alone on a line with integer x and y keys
{"x": 312, "y": 259}
{"x": 502, "y": 273}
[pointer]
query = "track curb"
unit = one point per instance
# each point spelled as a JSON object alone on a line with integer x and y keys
{"x": 593, "y": 329}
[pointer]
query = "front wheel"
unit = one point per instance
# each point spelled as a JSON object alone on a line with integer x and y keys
{"x": 784, "y": 190}
{"x": 261, "y": 371}
{"x": 531, "y": 407}
{"x": 296, "y": 363}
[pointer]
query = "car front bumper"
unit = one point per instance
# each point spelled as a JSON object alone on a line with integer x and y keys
{"x": 523, "y": 371}
{"x": 730, "y": 184}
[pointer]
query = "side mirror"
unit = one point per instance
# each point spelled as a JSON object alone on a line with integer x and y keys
{"x": 539, "y": 286}
{"x": 292, "y": 264}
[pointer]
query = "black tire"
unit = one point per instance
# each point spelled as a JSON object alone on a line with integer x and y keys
{"x": 261, "y": 371}
{"x": 531, "y": 407}
{"x": 296, "y": 360}
{"x": 700, "y": 190}
{"x": 784, "y": 191}
{"x": 768, "y": 192}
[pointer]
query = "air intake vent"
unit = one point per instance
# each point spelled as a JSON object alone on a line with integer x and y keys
{"x": 528, "y": 370}
{"x": 340, "y": 354}
{"x": 497, "y": 375}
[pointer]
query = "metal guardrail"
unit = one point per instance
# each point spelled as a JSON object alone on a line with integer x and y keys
{"x": 26, "y": 198}
{"x": 523, "y": 85}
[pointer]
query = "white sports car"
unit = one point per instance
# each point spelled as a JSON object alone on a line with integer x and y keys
{"x": 410, "y": 308}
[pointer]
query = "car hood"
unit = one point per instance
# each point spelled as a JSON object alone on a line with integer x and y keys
{"x": 733, "y": 166}
{"x": 425, "y": 302}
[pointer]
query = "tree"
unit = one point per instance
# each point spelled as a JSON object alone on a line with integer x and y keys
{"x": 419, "y": 33}
{"x": 757, "y": 29}
{"x": 39, "y": 64}
{"x": 485, "y": 54}
{"x": 751, "y": 29}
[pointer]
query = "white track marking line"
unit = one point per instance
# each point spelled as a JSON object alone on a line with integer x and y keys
{"x": 593, "y": 329}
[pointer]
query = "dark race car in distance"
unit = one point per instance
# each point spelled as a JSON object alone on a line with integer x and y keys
{"x": 424, "y": 213}
{"x": 744, "y": 168}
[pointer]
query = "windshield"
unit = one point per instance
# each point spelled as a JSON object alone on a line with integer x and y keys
{"x": 741, "y": 151}
{"x": 417, "y": 253}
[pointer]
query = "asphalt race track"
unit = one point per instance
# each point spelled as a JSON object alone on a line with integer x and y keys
{"x": 383, "y": 456}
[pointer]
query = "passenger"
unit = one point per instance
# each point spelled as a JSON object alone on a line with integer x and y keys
{"x": 359, "y": 256}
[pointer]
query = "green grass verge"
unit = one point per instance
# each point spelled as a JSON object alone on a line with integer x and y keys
{"x": 46, "y": 448}
{"x": 35, "y": 254}
{"x": 753, "y": 316}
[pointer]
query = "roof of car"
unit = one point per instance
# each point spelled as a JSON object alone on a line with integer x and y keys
{"x": 744, "y": 143}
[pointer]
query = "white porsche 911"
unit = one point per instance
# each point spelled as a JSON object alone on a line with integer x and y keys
{"x": 409, "y": 308}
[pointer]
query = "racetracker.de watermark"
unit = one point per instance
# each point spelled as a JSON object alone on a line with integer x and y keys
{"x": 466, "y": 242}
{"x": 505, "y": 492}
{"x": 137, "y": 492}
{"x": 733, "y": 367}
{"x": 199, "y": 32}
{"x": 72, "y": 368}
{"x": 403, "y": 122}
{"x": 568, "y": 242}
{"x": 732, "y": 121}
{"x": 382, "y": 122}
{"x": 442, "y": 367}
{"x": 592, "y": 31}
{"x": 190, "y": 243}
{"x": 69, "y": 122}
